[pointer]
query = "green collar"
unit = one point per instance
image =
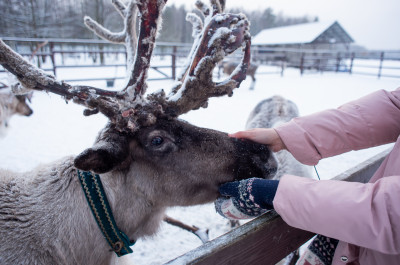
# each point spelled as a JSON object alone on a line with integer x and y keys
{"x": 98, "y": 203}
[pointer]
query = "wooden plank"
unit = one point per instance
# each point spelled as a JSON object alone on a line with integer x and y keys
{"x": 252, "y": 243}
{"x": 266, "y": 239}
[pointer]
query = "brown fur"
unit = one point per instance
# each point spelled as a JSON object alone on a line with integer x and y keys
{"x": 229, "y": 67}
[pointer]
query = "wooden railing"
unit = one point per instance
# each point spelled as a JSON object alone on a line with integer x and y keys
{"x": 57, "y": 49}
{"x": 267, "y": 239}
{"x": 373, "y": 63}
{"x": 362, "y": 62}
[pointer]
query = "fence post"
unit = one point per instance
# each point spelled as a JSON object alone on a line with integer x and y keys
{"x": 173, "y": 63}
{"x": 284, "y": 63}
{"x": 302, "y": 64}
{"x": 53, "y": 58}
{"x": 380, "y": 65}
{"x": 338, "y": 59}
{"x": 351, "y": 62}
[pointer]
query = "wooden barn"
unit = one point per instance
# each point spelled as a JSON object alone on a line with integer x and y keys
{"x": 316, "y": 35}
{"x": 306, "y": 46}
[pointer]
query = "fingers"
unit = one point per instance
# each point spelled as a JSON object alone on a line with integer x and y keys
{"x": 248, "y": 134}
{"x": 259, "y": 135}
{"x": 267, "y": 136}
{"x": 239, "y": 135}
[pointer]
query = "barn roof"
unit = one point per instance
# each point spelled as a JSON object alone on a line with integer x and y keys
{"x": 316, "y": 32}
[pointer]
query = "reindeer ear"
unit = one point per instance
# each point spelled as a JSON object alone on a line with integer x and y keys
{"x": 102, "y": 157}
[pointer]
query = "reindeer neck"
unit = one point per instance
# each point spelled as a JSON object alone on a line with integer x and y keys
{"x": 134, "y": 211}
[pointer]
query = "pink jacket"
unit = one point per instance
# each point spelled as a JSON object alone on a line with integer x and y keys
{"x": 364, "y": 217}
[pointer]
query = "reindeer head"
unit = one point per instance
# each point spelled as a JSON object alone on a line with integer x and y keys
{"x": 15, "y": 104}
{"x": 144, "y": 137}
{"x": 21, "y": 104}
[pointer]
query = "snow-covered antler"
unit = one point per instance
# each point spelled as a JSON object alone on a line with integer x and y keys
{"x": 221, "y": 35}
{"x": 128, "y": 109}
{"x": 150, "y": 13}
{"x": 127, "y": 36}
{"x": 120, "y": 107}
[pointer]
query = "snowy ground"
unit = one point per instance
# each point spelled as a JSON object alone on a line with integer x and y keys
{"x": 57, "y": 129}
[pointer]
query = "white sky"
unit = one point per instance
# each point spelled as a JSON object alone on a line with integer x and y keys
{"x": 374, "y": 24}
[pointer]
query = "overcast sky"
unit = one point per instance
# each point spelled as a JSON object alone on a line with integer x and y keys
{"x": 374, "y": 24}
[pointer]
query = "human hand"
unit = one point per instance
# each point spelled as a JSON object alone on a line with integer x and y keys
{"x": 267, "y": 136}
{"x": 247, "y": 198}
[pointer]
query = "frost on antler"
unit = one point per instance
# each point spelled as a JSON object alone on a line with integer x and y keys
{"x": 150, "y": 12}
{"x": 221, "y": 35}
{"x": 128, "y": 109}
{"x": 127, "y": 36}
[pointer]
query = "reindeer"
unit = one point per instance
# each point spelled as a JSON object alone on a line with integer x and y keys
{"x": 11, "y": 104}
{"x": 270, "y": 113}
{"x": 229, "y": 66}
{"x": 146, "y": 158}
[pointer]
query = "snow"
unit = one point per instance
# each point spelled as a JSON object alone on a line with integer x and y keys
{"x": 57, "y": 129}
{"x": 301, "y": 33}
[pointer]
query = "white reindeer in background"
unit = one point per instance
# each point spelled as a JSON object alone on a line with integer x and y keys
{"x": 270, "y": 113}
{"x": 146, "y": 158}
{"x": 10, "y": 105}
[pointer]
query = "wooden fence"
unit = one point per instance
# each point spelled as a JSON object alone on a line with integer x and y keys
{"x": 58, "y": 49}
{"x": 267, "y": 239}
{"x": 374, "y": 63}
{"x": 362, "y": 62}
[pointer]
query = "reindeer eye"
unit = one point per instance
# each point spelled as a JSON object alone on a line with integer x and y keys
{"x": 156, "y": 141}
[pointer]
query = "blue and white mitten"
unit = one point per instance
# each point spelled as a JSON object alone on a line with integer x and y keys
{"x": 246, "y": 199}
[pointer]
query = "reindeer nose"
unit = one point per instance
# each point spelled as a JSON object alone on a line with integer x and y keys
{"x": 271, "y": 167}
{"x": 268, "y": 167}
{"x": 29, "y": 113}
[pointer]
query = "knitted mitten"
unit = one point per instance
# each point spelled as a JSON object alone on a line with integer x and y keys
{"x": 247, "y": 198}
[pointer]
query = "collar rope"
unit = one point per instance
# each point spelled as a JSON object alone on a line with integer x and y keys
{"x": 98, "y": 203}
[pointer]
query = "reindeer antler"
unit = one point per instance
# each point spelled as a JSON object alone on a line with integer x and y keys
{"x": 127, "y": 36}
{"x": 120, "y": 107}
{"x": 127, "y": 109}
{"x": 221, "y": 35}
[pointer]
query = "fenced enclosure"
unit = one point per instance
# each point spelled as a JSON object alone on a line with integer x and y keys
{"x": 362, "y": 62}
{"x": 55, "y": 55}
{"x": 267, "y": 239}
{"x": 58, "y": 56}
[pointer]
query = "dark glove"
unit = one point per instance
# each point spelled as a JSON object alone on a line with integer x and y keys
{"x": 247, "y": 198}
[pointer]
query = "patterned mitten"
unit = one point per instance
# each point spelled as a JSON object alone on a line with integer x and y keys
{"x": 247, "y": 198}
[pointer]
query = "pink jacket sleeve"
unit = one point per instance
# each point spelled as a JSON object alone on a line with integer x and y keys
{"x": 370, "y": 218}
{"x": 353, "y": 126}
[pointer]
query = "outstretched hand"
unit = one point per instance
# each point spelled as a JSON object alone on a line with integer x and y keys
{"x": 267, "y": 136}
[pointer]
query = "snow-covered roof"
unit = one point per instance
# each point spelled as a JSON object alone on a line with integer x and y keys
{"x": 296, "y": 34}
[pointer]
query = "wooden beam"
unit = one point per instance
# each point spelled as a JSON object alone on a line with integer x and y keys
{"x": 266, "y": 239}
